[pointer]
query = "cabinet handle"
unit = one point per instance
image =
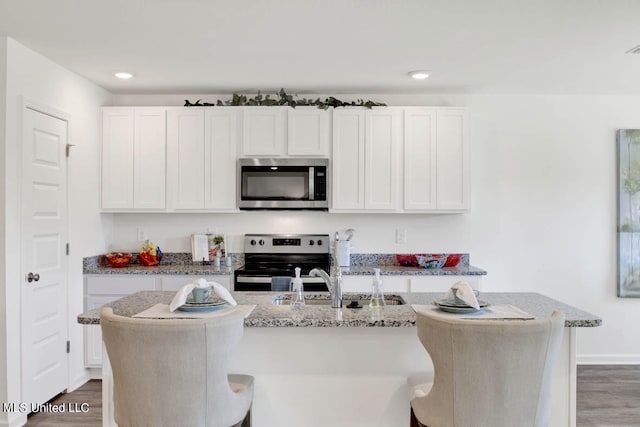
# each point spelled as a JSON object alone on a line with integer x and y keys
{"x": 33, "y": 277}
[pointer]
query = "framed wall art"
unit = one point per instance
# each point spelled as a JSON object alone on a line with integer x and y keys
{"x": 628, "y": 227}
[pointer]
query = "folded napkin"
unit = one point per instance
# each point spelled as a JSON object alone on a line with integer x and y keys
{"x": 463, "y": 291}
{"x": 181, "y": 296}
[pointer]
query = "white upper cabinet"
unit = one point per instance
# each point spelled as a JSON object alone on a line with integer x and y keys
{"x": 309, "y": 131}
{"x": 133, "y": 158}
{"x": 419, "y": 158}
{"x": 285, "y": 131}
{"x": 220, "y": 151}
{"x": 264, "y": 131}
{"x": 186, "y": 158}
{"x": 365, "y": 147}
{"x": 436, "y": 159}
{"x": 348, "y": 159}
{"x": 201, "y": 162}
{"x": 382, "y": 141}
{"x": 453, "y": 179}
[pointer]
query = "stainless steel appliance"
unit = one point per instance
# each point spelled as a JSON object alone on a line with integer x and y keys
{"x": 283, "y": 184}
{"x": 277, "y": 255}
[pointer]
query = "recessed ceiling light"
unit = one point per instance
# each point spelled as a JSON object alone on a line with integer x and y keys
{"x": 420, "y": 74}
{"x": 123, "y": 76}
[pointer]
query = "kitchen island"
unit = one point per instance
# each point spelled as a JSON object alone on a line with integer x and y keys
{"x": 348, "y": 367}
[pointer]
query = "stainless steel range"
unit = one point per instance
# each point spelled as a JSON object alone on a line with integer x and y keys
{"x": 277, "y": 255}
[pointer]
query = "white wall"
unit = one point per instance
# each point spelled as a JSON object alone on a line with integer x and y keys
{"x": 34, "y": 77}
{"x": 543, "y": 207}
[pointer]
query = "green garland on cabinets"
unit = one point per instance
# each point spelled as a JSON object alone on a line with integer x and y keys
{"x": 283, "y": 99}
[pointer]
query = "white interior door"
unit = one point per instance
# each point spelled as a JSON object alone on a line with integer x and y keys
{"x": 43, "y": 258}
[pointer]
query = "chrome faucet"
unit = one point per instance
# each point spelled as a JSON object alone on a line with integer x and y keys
{"x": 333, "y": 281}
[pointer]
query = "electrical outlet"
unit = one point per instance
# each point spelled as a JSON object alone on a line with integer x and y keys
{"x": 142, "y": 234}
{"x": 401, "y": 236}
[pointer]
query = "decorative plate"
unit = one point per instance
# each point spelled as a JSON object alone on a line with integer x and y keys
{"x": 203, "y": 306}
{"x": 451, "y": 303}
{"x": 457, "y": 310}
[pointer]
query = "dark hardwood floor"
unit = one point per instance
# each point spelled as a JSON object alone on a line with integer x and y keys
{"x": 608, "y": 396}
{"x": 90, "y": 393}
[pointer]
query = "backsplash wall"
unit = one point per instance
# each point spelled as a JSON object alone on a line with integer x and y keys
{"x": 375, "y": 233}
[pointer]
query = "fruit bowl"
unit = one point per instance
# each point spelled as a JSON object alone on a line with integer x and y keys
{"x": 118, "y": 260}
{"x": 432, "y": 261}
{"x": 453, "y": 260}
{"x": 149, "y": 260}
{"x": 408, "y": 260}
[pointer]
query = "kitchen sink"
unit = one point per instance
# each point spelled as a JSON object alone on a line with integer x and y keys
{"x": 353, "y": 300}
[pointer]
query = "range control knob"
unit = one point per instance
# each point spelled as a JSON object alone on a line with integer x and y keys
{"x": 261, "y": 242}
{"x": 311, "y": 242}
{"x": 319, "y": 242}
{"x": 252, "y": 242}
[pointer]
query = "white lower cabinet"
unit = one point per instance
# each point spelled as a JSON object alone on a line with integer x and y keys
{"x": 405, "y": 283}
{"x": 173, "y": 283}
{"x": 100, "y": 290}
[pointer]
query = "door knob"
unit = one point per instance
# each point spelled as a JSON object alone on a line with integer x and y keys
{"x": 33, "y": 277}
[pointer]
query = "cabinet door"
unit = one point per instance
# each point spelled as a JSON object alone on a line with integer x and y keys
{"x": 441, "y": 283}
{"x": 264, "y": 131}
{"x": 382, "y": 139}
{"x": 348, "y": 159}
{"x": 419, "y": 158}
{"x": 150, "y": 149}
{"x": 186, "y": 158}
{"x": 173, "y": 283}
{"x": 117, "y": 158}
{"x": 452, "y": 159}
{"x": 93, "y": 333}
{"x": 100, "y": 290}
{"x": 309, "y": 130}
{"x": 220, "y": 153}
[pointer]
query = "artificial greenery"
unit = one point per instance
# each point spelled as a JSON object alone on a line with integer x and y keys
{"x": 283, "y": 99}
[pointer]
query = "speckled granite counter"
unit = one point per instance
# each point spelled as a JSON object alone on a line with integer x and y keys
{"x": 398, "y": 270}
{"x": 361, "y": 265}
{"x": 269, "y": 315}
{"x": 184, "y": 269}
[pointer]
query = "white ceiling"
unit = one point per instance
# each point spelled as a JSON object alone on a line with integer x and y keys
{"x": 337, "y": 46}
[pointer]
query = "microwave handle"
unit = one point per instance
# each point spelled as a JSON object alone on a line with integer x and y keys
{"x": 312, "y": 178}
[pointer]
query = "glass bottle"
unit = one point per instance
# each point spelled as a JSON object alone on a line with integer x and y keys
{"x": 377, "y": 295}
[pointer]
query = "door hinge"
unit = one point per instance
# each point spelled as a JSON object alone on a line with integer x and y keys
{"x": 68, "y": 347}
{"x": 67, "y": 249}
{"x": 67, "y": 149}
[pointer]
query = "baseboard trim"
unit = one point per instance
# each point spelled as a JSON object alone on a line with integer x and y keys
{"x": 80, "y": 380}
{"x": 14, "y": 419}
{"x": 608, "y": 359}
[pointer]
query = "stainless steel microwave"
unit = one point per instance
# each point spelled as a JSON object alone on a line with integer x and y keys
{"x": 283, "y": 184}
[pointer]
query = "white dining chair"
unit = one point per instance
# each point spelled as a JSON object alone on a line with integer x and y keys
{"x": 174, "y": 372}
{"x": 493, "y": 373}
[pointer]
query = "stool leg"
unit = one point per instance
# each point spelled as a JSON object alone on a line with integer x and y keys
{"x": 414, "y": 421}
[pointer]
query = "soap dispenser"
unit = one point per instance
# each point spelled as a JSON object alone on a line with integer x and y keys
{"x": 297, "y": 295}
{"x": 377, "y": 295}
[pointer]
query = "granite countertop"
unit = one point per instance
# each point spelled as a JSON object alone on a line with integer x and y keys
{"x": 398, "y": 270}
{"x": 268, "y": 315}
{"x": 361, "y": 265}
{"x": 176, "y": 269}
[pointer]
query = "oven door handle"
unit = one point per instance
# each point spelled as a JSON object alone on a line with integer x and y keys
{"x": 253, "y": 279}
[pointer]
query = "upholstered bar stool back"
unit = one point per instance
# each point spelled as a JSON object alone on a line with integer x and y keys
{"x": 487, "y": 372}
{"x": 174, "y": 372}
